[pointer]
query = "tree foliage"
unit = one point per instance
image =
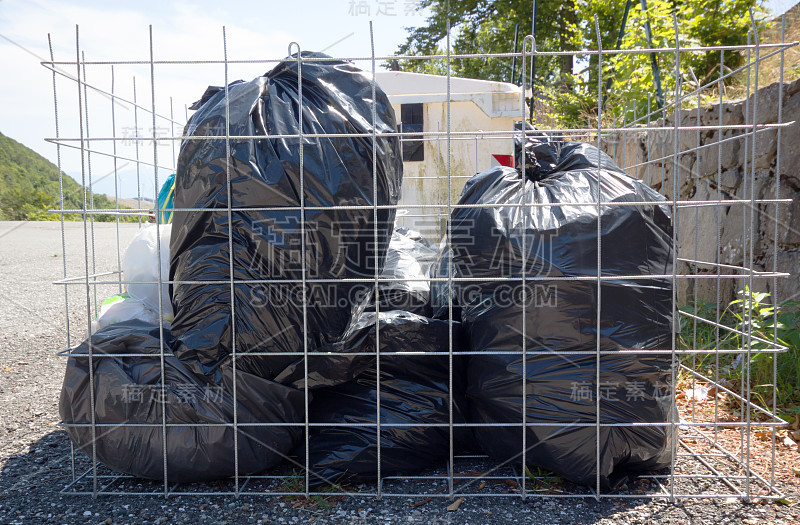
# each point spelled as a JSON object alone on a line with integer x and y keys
{"x": 29, "y": 187}
{"x": 570, "y": 88}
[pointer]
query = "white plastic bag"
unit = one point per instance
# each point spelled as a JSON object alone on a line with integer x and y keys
{"x": 140, "y": 268}
{"x": 119, "y": 308}
{"x": 140, "y": 263}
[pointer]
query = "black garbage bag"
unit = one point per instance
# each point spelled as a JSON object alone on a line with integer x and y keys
{"x": 414, "y": 391}
{"x": 528, "y": 153}
{"x": 128, "y": 392}
{"x": 265, "y": 307}
{"x": 560, "y": 316}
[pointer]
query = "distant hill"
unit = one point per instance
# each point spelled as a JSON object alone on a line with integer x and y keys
{"x": 133, "y": 202}
{"x": 29, "y": 187}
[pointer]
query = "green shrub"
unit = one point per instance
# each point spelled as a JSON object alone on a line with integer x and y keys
{"x": 769, "y": 325}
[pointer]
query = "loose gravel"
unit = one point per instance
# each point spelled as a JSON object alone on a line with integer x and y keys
{"x": 35, "y": 462}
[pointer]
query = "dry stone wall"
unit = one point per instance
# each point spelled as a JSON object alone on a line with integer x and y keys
{"x": 727, "y": 165}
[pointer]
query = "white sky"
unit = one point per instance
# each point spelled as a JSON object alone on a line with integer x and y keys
{"x": 182, "y": 30}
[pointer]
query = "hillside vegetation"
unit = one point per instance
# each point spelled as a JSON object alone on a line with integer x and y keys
{"x": 770, "y": 68}
{"x": 29, "y": 187}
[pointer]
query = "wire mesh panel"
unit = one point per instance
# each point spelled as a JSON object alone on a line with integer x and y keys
{"x": 717, "y": 186}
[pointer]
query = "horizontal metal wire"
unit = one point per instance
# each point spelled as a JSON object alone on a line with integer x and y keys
{"x": 735, "y": 395}
{"x": 538, "y": 424}
{"x": 454, "y": 56}
{"x": 638, "y": 277}
{"x": 370, "y": 494}
{"x": 72, "y": 352}
{"x": 81, "y": 279}
{"x": 717, "y": 143}
{"x": 113, "y": 155}
{"x": 510, "y": 134}
{"x": 727, "y": 328}
{"x": 526, "y": 205}
{"x": 459, "y": 477}
{"x": 721, "y": 265}
{"x": 113, "y": 96}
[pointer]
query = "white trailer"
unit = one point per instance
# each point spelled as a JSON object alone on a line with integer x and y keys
{"x": 420, "y": 103}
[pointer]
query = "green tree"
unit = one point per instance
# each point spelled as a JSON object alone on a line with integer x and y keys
{"x": 484, "y": 26}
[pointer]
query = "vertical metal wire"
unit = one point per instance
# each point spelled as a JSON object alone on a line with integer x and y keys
{"x": 230, "y": 259}
{"x": 752, "y": 244}
{"x": 746, "y": 183}
{"x": 116, "y": 178}
{"x": 402, "y": 145}
{"x": 300, "y": 151}
{"x": 662, "y": 133}
{"x": 721, "y": 88}
{"x": 599, "y": 248}
{"x": 774, "y": 290}
{"x": 647, "y": 142}
{"x": 523, "y": 188}
{"x": 697, "y": 154}
{"x": 448, "y": 246}
{"x": 89, "y": 173}
{"x": 373, "y": 84}
{"x": 635, "y": 138}
{"x": 63, "y": 235}
{"x": 136, "y": 149}
{"x": 172, "y": 133}
{"x": 476, "y": 153}
{"x": 624, "y": 135}
{"x": 61, "y": 200}
{"x": 675, "y": 224}
{"x": 86, "y": 265}
{"x": 158, "y": 265}
{"x": 438, "y": 172}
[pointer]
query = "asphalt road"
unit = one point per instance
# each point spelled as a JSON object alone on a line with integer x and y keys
{"x": 35, "y": 453}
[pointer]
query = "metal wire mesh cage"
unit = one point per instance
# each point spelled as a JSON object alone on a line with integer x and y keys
{"x": 718, "y": 167}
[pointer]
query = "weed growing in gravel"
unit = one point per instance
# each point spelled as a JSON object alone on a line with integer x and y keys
{"x": 541, "y": 480}
{"x": 296, "y": 482}
{"x": 749, "y": 309}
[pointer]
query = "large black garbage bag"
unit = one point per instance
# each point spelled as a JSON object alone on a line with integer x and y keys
{"x": 414, "y": 391}
{"x": 561, "y": 315}
{"x": 128, "y": 392}
{"x": 266, "y": 304}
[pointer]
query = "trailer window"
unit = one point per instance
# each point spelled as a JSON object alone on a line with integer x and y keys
{"x": 411, "y": 121}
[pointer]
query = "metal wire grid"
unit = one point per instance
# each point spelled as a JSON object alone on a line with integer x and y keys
{"x": 701, "y": 465}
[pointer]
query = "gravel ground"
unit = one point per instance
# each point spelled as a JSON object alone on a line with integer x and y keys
{"x": 35, "y": 453}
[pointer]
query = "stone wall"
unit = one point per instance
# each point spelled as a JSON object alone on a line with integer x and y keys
{"x": 729, "y": 167}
